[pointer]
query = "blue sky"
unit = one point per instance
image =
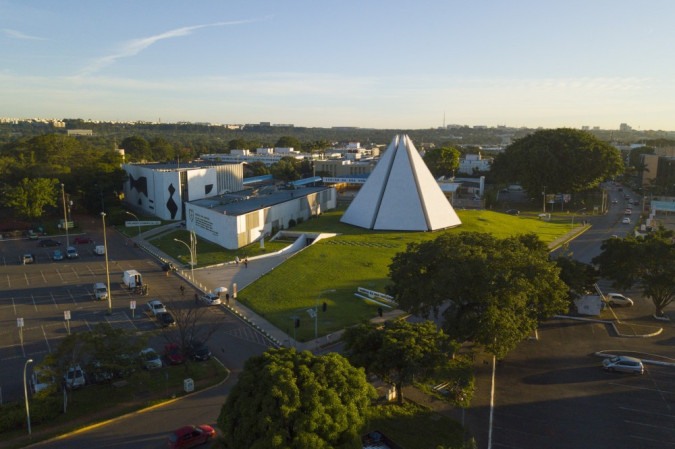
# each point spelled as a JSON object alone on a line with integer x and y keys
{"x": 380, "y": 64}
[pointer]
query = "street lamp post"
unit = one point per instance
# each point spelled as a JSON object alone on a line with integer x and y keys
{"x": 192, "y": 259}
{"x": 107, "y": 269}
{"x": 573, "y": 215}
{"x": 316, "y": 311}
{"x": 25, "y": 393}
{"x": 138, "y": 222}
{"x": 65, "y": 214}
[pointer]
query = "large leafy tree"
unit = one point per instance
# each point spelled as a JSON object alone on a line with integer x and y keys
{"x": 136, "y": 148}
{"x": 578, "y": 276}
{"x": 286, "y": 169}
{"x": 645, "y": 262}
{"x": 399, "y": 352}
{"x": 30, "y": 197}
{"x": 442, "y": 161}
{"x": 289, "y": 142}
{"x": 493, "y": 292}
{"x": 559, "y": 160}
{"x": 286, "y": 399}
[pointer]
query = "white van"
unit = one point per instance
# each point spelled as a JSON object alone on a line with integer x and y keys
{"x": 132, "y": 279}
{"x": 99, "y": 250}
{"x": 100, "y": 291}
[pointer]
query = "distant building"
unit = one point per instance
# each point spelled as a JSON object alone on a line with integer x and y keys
{"x": 80, "y": 132}
{"x": 472, "y": 163}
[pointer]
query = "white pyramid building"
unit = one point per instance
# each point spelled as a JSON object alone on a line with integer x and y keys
{"x": 401, "y": 194}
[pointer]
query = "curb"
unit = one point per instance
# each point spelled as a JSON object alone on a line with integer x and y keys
{"x": 610, "y": 323}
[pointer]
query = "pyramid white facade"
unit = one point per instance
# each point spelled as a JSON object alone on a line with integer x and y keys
{"x": 401, "y": 194}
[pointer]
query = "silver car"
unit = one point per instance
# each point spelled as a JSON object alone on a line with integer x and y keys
{"x": 624, "y": 364}
{"x": 617, "y": 299}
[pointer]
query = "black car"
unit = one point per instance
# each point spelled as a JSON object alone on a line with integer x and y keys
{"x": 199, "y": 351}
{"x": 513, "y": 212}
{"x": 49, "y": 242}
{"x": 169, "y": 267}
{"x": 166, "y": 319}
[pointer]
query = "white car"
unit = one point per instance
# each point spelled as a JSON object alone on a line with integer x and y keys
{"x": 74, "y": 377}
{"x": 211, "y": 299}
{"x": 624, "y": 364}
{"x": 626, "y": 220}
{"x": 155, "y": 306}
{"x": 150, "y": 359}
{"x": 71, "y": 253}
{"x": 40, "y": 380}
{"x": 617, "y": 299}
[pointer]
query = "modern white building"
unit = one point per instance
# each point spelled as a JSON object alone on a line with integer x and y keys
{"x": 237, "y": 219}
{"x": 471, "y": 163}
{"x": 163, "y": 189}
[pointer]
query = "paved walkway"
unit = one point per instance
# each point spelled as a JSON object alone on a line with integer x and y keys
{"x": 228, "y": 274}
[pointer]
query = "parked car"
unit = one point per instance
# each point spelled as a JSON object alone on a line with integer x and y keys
{"x": 173, "y": 354}
{"x": 169, "y": 267}
{"x": 71, "y": 253}
{"x": 155, "y": 306}
{"x": 624, "y": 364}
{"x": 82, "y": 240}
{"x": 625, "y": 220}
{"x": 199, "y": 351}
{"x": 165, "y": 319}
{"x": 40, "y": 380}
{"x": 150, "y": 359}
{"x": 99, "y": 374}
{"x": 190, "y": 436}
{"x": 513, "y": 212}
{"x": 48, "y": 242}
{"x": 617, "y": 299}
{"x": 628, "y": 211}
{"x": 27, "y": 259}
{"x": 211, "y": 299}
{"x": 74, "y": 378}
{"x": 57, "y": 255}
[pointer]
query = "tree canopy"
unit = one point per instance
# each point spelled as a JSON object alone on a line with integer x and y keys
{"x": 559, "y": 160}
{"x": 399, "y": 352}
{"x": 442, "y": 161}
{"x": 645, "y": 262}
{"x": 493, "y": 292}
{"x": 30, "y": 197}
{"x": 286, "y": 399}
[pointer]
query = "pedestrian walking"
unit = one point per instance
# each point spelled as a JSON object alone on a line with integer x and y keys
{"x": 246, "y": 262}
{"x": 196, "y": 298}
{"x": 182, "y": 290}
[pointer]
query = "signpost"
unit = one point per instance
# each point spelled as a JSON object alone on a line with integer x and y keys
{"x": 132, "y": 306}
{"x": 19, "y": 324}
{"x": 66, "y": 316}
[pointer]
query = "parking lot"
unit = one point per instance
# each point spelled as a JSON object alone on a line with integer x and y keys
{"x": 553, "y": 393}
{"x": 42, "y": 294}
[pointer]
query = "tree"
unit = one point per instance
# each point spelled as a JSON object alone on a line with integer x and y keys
{"x": 256, "y": 168}
{"x": 442, "y": 161}
{"x": 400, "y": 352}
{"x": 558, "y": 160}
{"x": 494, "y": 292}
{"x": 136, "y": 148}
{"x": 285, "y": 169}
{"x": 31, "y": 196}
{"x": 286, "y": 399}
{"x": 578, "y": 276}
{"x": 646, "y": 262}
{"x": 161, "y": 149}
{"x": 288, "y": 142}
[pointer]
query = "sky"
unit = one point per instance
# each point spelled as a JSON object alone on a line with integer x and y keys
{"x": 388, "y": 64}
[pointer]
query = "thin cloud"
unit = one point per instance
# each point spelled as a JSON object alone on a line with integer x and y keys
{"x": 135, "y": 46}
{"x": 14, "y": 34}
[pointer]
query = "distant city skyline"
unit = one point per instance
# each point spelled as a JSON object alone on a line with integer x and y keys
{"x": 376, "y": 64}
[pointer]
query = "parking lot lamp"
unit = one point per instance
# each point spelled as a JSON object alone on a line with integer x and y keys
{"x": 65, "y": 214}
{"x": 316, "y": 311}
{"x": 107, "y": 268}
{"x": 138, "y": 222}
{"x": 192, "y": 258}
{"x": 25, "y": 393}
{"x": 580, "y": 210}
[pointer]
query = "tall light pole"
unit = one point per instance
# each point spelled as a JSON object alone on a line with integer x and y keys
{"x": 65, "y": 214}
{"x": 316, "y": 311}
{"x": 138, "y": 222}
{"x": 192, "y": 258}
{"x": 25, "y": 393}
{"x": 107, "y": 269}
{"x": 580, "y": 210}
{"x": 543, "y": 194}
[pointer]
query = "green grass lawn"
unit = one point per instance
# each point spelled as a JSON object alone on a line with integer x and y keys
{"x": 331, "y": 270}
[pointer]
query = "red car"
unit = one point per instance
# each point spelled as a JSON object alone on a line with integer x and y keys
{"x": 82, "y": 240}
{"x": 191, "y": 436}
{"x": 173, "y": 354}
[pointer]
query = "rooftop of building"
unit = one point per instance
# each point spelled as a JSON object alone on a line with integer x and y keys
{"x": 249, "y": 200}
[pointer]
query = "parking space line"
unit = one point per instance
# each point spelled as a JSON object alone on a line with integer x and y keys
{"x": 46, "y": 339}
{"x": 25, "y": 275}
{"x": 635, "y": 388}
{"x": 44, "y": 279}
{"x": 34, "y": 304}
{"x": 53, "y": 299}
{"x": 59, "y": 273}
{"x": 9, "y": 282}
{"x": 669, "y": 443}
